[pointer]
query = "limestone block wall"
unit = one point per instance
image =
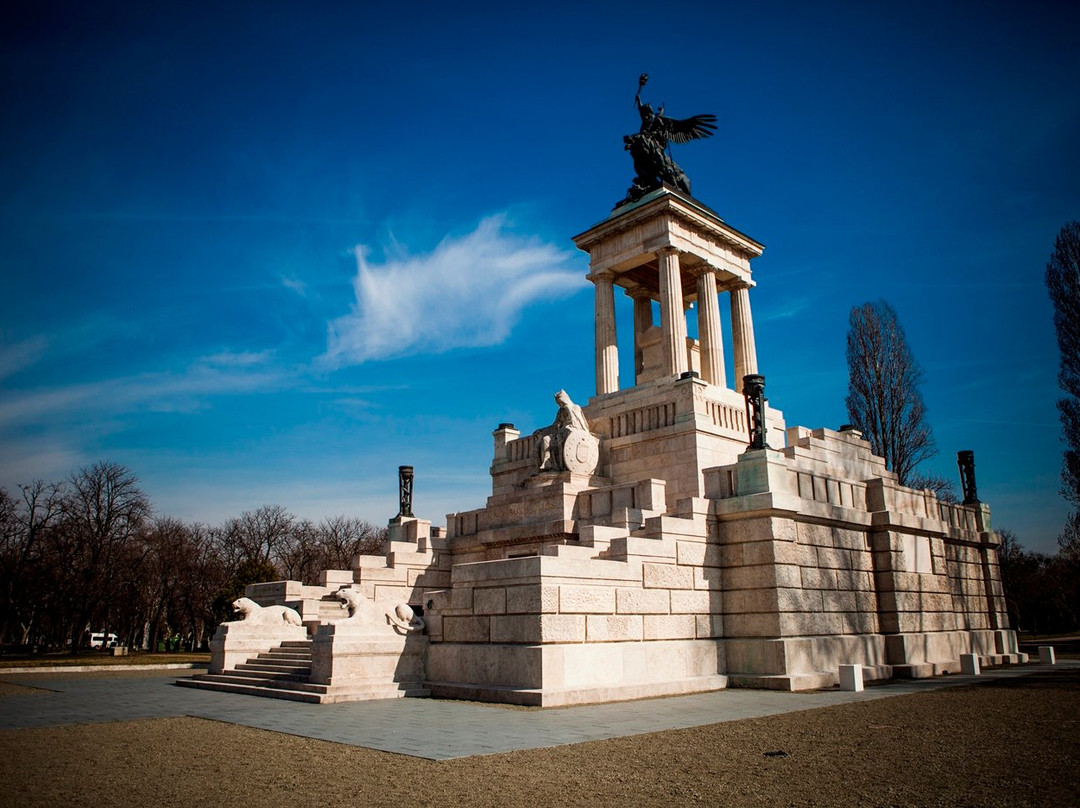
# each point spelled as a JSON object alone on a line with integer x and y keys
{"x": 913, "y": 594}
{"x": 645, "y": 617}
{"x": 544, "y": 599}
{"x": 821, "y": 568}
{"x": 798, "y": 601}
{"x": 975, "y": 583}
{"x": 838, "y": 574}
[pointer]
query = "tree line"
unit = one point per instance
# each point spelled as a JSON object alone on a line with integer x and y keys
{"x": 87, "y": 554}
{"x": 1054, "y": 581}
{"x": 1042, "y": 592}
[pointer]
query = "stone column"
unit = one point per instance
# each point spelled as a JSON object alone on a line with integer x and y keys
{"x": 709, "y": 334}
{"x": 672, "y": 312}
{"x": 642, "y": 323}
{"x": 742, "y": 332}
{"x": 607, "y": 352}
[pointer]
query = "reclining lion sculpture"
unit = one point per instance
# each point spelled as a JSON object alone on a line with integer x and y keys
{"x": 252, "y": 612}
{"x": 365, "y": 611}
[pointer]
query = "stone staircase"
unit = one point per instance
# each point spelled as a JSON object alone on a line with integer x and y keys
{"x": 284, "y": 672}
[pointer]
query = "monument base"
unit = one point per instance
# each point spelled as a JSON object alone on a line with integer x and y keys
{"x": 560, "y": 674}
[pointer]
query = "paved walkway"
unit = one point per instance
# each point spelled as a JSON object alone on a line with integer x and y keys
{"x": 427, "y": 728}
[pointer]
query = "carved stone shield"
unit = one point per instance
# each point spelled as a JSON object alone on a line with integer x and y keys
{"x": 581, "y": 451}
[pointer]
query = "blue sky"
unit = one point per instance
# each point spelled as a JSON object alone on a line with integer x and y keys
{"x": 265, "y": 252}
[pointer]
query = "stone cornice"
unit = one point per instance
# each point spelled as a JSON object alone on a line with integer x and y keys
{"x": 670, "y": 203}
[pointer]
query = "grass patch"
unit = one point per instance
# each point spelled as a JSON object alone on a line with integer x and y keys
{"x": 97, "y": 658}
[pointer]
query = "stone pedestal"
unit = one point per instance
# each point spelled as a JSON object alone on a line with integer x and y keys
{"x": 851, "y": 678}
{"x": 969, "y": 665}
{"x": 358, "y": 662}
{"x": 234, "y": 643}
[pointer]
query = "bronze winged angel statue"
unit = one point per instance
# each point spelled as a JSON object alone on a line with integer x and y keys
{"x": 649, "y": 147}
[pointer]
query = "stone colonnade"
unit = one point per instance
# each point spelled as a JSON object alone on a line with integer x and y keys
{"x": 673, "y": 323}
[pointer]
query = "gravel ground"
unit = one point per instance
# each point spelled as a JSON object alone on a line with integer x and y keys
{"x": 1005, "y": 743}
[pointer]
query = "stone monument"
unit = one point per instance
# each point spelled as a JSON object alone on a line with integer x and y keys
{"x": 672, "y": 535}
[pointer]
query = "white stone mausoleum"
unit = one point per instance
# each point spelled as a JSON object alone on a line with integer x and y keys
{"x": 641, "y": 545}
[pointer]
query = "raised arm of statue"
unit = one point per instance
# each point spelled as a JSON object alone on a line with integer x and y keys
{"x": 648, "y": 147}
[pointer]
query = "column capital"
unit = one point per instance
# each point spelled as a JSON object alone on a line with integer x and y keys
{"x": 637, "y": 292}
{"x": 738, "y": 284}
{"x": 701, "y": 269}
{"x": 667, "y": 249}
{"x": 602, "y": 275}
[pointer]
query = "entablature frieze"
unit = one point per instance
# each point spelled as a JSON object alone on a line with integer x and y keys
{"x": 642, "y": 277}
{"x": 635, "y": 237}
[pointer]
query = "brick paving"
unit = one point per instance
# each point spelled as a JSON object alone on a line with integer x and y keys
{"x": 428, "y": 728}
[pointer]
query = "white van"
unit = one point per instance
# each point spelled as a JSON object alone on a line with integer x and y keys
{"x": 99, "y": 640}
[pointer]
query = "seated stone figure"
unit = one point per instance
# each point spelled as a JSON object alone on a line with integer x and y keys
{"x": 567, "y": 445}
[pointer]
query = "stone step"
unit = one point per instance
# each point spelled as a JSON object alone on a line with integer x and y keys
{"x": 229, "y": 686}
{"x": 296, "y": 644}
{"x": 287, "y": 653}
{"x": 254, "y": 679}
{"x": 286, "y": 656}
{"x": 275, "y": 667}
{"x": 641, "y": 547}
{"x": 305, "y": 691}
{"x": 345, "y": 693}
{"x": 570, "y": 551}
{"x": 269, "y": 676}
{"x": 669, "y": 527}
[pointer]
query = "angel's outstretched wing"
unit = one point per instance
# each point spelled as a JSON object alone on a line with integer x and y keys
{"x": 687, "y": 129}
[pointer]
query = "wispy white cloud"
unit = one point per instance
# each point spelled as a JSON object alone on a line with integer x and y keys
{"x": 39, "y": 458}
{"x": 792, "y": 307}
{"x": 14, "y": 358}
{"x": 236, "y": 359}
{"x": 295, "y": 285}
{"x": 220, "y": 374}
{"x": 468, "y": 292}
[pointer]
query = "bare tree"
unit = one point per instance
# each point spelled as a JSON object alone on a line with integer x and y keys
{"x": 205, "y": 576}
{"x": 169, "y": 553}
{"x": 299, "y": 558}
{"x": 1063, "y": 284}
{"x": 23, "y": 528}
{"x": 1069, "y": 541}
{"x": 102, "y": 514}
{"x": 883, "y": 399}
{"x": 343, "y": 538}
{"x": 259, "y": 535}
{"x": 333, "y": 544}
